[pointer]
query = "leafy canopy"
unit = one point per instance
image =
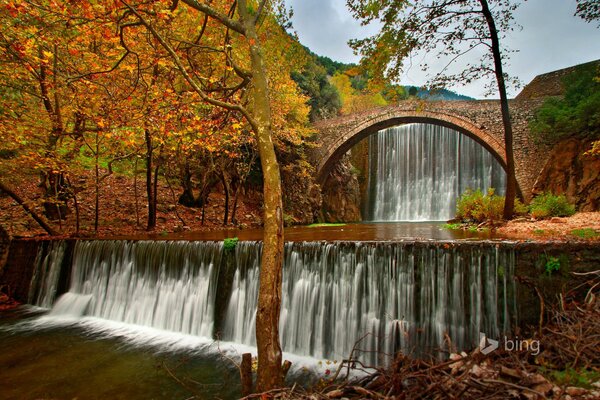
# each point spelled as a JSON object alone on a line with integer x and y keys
{"x": 444, "y": 29}
{"x": 577, "y": 114}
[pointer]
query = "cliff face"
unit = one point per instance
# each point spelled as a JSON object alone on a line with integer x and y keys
{"x": 341, "y": 194}
{"x": 570, "y": 172}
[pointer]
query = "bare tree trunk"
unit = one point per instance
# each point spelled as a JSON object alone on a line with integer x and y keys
{"x": 236, "y": 197}
{"x": 39, "y": 219}
{"x": 97, "y": 187}
{"x": 511, "y": 180}
{"x": 76, "y": 205}
{"x": 149, "y": 187}
{"x": 223, "y": 176}
{"x": 135, "y": 193}
{"x": 269, "y": 374}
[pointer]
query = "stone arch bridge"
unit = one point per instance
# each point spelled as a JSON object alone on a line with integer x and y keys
{"x": 478, "y": 119}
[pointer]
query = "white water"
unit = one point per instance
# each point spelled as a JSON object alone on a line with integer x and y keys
{"x": 46, "y": 274}
{"x": 417, "y": 171}
{"x": 164, "y": 285}
{"x": 380, "y": 298}
{"x": 377, "y": 297}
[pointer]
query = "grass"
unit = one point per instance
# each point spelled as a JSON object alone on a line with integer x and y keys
{"x": 323, "y": 224}
{"x": 572, "y": 377}
{"x": 452, "y": 227}
{"x": 585, "y": 233}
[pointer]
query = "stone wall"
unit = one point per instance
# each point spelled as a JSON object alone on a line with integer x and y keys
{"x": 4, "y": 247}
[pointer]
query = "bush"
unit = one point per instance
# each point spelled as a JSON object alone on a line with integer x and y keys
{"x": 474, "y": 206}
{"x": 230, "y": 243}
{"x": 548, "y": 205}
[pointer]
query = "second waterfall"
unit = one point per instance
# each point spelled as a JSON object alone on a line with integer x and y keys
{"x": 417, "y": 171}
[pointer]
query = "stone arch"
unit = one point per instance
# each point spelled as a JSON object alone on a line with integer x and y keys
{"x": 333, "y": 151}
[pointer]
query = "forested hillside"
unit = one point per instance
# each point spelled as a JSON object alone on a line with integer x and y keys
{"x": 100, "y": 133}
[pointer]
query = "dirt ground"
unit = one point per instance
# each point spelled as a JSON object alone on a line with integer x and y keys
{"x": 555, "y": 228}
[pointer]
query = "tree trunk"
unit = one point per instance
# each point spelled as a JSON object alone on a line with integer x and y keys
{"x": 226, "y": 190}
{"x": 135, "y": 193}
{"x": 149, "y": 187}
{"x": 97, "y": 187}
{"x": 511, "y": 180}
{"x": 236, "y": 197}
{"x": 187, "y": 197}
{"x": 269, "y": 374}
{"x": 39, "y": 219}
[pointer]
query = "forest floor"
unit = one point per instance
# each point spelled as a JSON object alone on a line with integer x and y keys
{"x": 583, "y": 225}
{"x": 123, "y": 209}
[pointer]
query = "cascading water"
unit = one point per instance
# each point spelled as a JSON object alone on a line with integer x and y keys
{"x": 417, "y": 171}
{"x": 165, "y": 285}
{"x": 46, "y": 273}
{"x": 381, "y": 297}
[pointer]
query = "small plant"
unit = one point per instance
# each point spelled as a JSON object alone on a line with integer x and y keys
{"x": 572, "y": 377}
{"x": 585, "y": 233}
{"x": 548, "y": 205}
{"x": 288, "y": 220}
{"x": 230, "y": 243}
{"x": 452, "y": 227}
{"x": 539, "y": 231}
{"x": 552, "y": 265}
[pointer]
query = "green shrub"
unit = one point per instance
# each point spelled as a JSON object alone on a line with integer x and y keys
{"x": 548, "y": 205}
{"x": 474, "y": 206}
{"x": 552, "y": 265}
{"x": 230, "y": 243}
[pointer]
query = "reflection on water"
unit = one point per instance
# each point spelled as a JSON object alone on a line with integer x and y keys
{"x": 349, "y": 232}
{"x": 67, "y": 363}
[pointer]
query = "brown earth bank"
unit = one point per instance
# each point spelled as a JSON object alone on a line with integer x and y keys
{"x": 583, "y": 225}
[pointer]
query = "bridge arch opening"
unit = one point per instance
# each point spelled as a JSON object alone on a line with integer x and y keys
{"x": 456, "y": 136}
{"x": 336, "y": 150}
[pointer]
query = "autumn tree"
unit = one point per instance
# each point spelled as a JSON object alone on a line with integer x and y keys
{"x": 448, "y": 29}
{"x": 54, "y": 62}
{"x": 243, "y": 71}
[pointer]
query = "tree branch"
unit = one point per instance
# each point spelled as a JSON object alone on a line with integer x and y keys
{"x": 210, "y": 11}
{"x": 186, "y": 75}
{"x": 39, "y": 219}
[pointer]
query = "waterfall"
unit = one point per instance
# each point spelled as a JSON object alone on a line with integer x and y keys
{"x": 417, "y": 171}
{"x": 379, "y": 298}
{"x": 46, "y": 273}
{"x": 375, "y": 297}
{"x": 165, "y": 285}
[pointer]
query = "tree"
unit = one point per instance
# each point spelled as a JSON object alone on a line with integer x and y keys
{"x": 589, "y": 10}
{"x": 450, "y": 29}
{"x": 576, "y": 114}
{"x": 239, "y": 25}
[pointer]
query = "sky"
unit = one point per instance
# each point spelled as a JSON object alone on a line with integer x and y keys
{"x": 551, "y": 38}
